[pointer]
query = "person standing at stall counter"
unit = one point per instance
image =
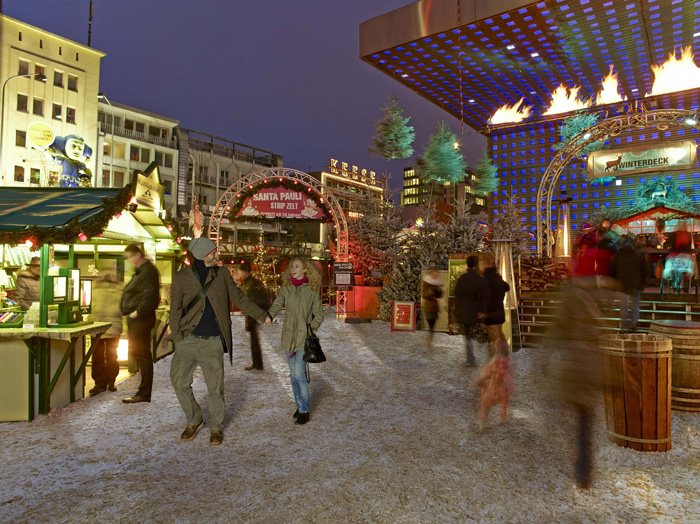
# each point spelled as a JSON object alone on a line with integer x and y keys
{"x": 200, "y": 326}
{"x": 139, "y": 303}
{"x": 27, "y": 289}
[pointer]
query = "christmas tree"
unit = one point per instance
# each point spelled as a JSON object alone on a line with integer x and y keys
{"x": 394, "y": 137}
{"x": 509, "y": 226}
{"x": 486, "y": 173}
{"x": 573, "y": 126}
{"x": 442, "y": 161}
{"x": 264, "y": 266}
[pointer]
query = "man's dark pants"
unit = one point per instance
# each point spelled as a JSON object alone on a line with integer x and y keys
{"x": 255, "y": 351}
{"x": 140, "y": 329}
{"x": 105, "y": 367}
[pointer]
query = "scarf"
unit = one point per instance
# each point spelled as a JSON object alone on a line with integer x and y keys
{"x": 299, "y": 282}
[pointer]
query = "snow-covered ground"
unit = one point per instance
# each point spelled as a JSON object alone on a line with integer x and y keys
{"x": 393, "y": 437}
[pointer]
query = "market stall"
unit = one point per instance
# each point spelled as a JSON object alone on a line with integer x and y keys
{"x": 74, "y": 232}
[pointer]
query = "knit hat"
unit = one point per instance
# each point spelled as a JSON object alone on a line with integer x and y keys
{"x": 201, "y": 247}
{"x": 244, "y": 266}
{"x": 36, "y": 261}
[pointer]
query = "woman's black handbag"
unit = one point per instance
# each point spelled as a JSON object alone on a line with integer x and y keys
{"x": 313, "y": 354}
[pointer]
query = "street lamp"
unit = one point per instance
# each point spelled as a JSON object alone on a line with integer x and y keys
{"x": 111, "y": 147}
{"x": 41, "y": 78}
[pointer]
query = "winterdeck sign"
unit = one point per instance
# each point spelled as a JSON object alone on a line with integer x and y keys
{"x": 280, "y": 203}
{"x": 677, "y": 155}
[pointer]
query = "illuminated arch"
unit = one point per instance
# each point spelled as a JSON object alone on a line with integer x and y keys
{"x": 662, "y": 119}
{"x": 306, "y": 180}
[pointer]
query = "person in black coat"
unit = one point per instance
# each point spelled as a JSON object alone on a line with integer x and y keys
{"x": 471, "y": 304}
{"x": 630, "y": 269}
{"x": 495, "y": 313}
{"x": 139, "y": 303}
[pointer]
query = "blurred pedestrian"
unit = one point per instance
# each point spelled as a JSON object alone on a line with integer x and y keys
{"x": 471, "y": 304}
{"x": 300, "y": 295}
{"x": 495, "y": 383}
{"x": 586, "y": 251}
{"x": 200, "y": 327}
{"x": 27, "y": 284}
{"x": 139, "y": 303}
{"x": 606, "y": 248}
{"x": 431, "y": 290}
{"x": 630, "y": 269}
{"x": 106, "y": 297}
{"x": 256, "y": 292}
{"x": 578, "y": 363}
{"x": 495, "y": 312}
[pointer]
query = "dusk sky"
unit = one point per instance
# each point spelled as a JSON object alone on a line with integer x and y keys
{"x": 275, "y": 74}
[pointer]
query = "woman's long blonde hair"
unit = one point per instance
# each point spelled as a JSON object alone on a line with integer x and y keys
{"x": 313, "y": 274}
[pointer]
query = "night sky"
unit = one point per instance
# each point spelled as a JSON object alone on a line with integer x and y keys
{"x": 280, "y": 75}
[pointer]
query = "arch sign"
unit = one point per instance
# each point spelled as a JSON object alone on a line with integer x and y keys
{"x": 661, "y": 119}
{"x": 281, "y": 193}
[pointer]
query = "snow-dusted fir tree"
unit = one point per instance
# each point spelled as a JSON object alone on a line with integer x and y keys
{"x": 442, "y": 161}
{"x": 510, "y": 226}
{"x": 375, "y": 236}
{"x": 486, "y": 173}
{"x": 573, "y": 126}
{"x": 463, "y": 234}
{"x": 394, "y": 138}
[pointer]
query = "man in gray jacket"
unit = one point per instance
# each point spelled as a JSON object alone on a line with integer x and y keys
{"x": 201, "y": 330}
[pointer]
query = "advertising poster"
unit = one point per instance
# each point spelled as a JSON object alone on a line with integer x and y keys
{"x": 678, "y": 155}
{"x": 457, "y": 267}
{"x": 403, "y": 316}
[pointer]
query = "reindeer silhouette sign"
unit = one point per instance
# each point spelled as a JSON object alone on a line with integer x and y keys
{"x": 675, "y": 155}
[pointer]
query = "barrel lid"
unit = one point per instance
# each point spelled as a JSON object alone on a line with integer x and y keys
{"x": 681, "y": 324}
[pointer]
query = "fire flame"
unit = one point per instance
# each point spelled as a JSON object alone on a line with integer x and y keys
{"x": 506, "y": 113}
{"x": 609, "y": 94}
{"x": 676, "y": 74}
{"x": 565, "y": 100}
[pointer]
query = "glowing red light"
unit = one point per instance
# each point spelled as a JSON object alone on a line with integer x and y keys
{"x": 29, "y": 243}
{"x": 82, "y": 237}
{"x": 179, "y": 241}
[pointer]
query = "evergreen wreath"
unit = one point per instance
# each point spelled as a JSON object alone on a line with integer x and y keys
{"x": 70, "y": 232}
{"x": 272, "y": 183}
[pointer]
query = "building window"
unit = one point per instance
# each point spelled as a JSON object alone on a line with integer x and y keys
{"x": 166, "y": 160}
{"x": 39, "y": 70}
{"x": 21, "y": 138}
{"x": 72, "y": 83}
{"x": 156, "y": 131}
{"x": 58, "y": 79}
{"x": 168, "y": 187}
{"x": 70, "y": 115}
{"x": 38, "y": 106}
{"x": 23, "y": 68}
{"x": 140, "y": 154}
{"x": 57, "y": 111}
{"x": 118, "y": 179}
{"x": 19, "y": 174}
{"x": 106, "y": 182}
{"x": 119, "y": 150}
{"x": 136, "y": 127}
{"x": 35, "y": 176}
{"x": 22, "y": 103}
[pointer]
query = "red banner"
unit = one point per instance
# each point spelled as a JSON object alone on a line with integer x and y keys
{"x": 280, "y": 203}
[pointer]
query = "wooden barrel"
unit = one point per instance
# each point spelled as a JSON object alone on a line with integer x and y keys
{"x": 637, "y": 371}
{"x": 685, "y": 378}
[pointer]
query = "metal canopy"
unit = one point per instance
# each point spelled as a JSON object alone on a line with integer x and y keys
{"x": 526, "y": 50}
{"x": 21, "y": 208}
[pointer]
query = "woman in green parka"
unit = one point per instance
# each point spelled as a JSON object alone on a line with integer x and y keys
{"x": 300, "y": 295}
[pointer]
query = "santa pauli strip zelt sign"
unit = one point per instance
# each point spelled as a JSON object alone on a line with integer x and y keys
{"x": 279, "y": 202}
{"x": 676, "y": 155}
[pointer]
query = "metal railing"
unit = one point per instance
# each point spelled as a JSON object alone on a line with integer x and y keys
{"x": 128, "y": 133}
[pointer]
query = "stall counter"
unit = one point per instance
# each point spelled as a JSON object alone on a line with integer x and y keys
{"x": 43, "y": 368}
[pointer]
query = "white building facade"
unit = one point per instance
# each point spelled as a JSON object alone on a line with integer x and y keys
{"x": 136, "y": 139}
{"x": 49, "y": 79}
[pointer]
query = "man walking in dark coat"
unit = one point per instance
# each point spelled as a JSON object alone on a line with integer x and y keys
{"x": 255, "y": 291}
{"x": 200, "y": 326}
{"x": 139, "y": 302}
{"x": 495, "y": 313}
{"x": 472, "y": 298}
{"x": 630, "y": 268}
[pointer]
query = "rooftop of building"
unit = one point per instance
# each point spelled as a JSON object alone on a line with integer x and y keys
{"x": 513, "y": 49}
{"x": 82, "y": 47}
{"x": 139, "y": 111}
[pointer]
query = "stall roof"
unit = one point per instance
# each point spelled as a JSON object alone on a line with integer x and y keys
{"x": 21, "y": 208}
{"x": 656, "y": 213}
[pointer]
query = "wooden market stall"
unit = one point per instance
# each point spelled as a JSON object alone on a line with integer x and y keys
{"x": 45, "y": 355}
